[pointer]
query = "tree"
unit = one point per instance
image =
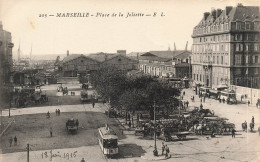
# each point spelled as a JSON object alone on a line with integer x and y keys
{"x": 131, "y": 100}
{"x": 110, "y": 83}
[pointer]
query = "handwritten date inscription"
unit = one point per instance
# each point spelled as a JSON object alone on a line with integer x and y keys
{"x": 50, "y": 155}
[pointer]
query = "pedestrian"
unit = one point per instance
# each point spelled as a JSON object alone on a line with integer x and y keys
{"x": 213, "y": 112}
{"x": 223, "y": 100}
{"x": 245, "y": 126}
{"x": 56, "y": 111}
{"x": 187, "y": 104}
{"x": 82, "y": 160}
{"x": 93, "y": 104}
{"x": 201, "y": 106}
{"x": 253, "y": 120}
{"x": 183, "y": 93}
{"x": 204, "y": 98}
{"x": 129, "y": 124}
{"x": 200, "y": 100}
{"x": 233, "y": 133}
{"x": 15, "y": 140}
{"x": 10, "y": 141}
{"x": 51, "y": 131}
{"x": 167, "y": 151}
{"x": 248, "y": 102}
{"x": 163, "y": 148}
{"x": 257, "y": 105}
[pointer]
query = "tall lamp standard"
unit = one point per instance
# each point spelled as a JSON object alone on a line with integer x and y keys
{"x": 155, "y": 152}
{"x": 10, "y": 45}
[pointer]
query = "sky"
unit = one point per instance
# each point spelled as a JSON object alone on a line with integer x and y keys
{"x": 83, "y": 35}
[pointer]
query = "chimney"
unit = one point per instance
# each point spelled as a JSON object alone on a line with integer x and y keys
{"x": 213, "y": 13}
{"x": 68, "y": 52}
{"x": 228, "y": 9}
{"x": 206, "y": 14}
{"x": 219, "y": 11}
{"x": 121, "y": 52}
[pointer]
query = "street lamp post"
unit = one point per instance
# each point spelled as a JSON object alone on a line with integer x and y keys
{"x": 10, "y": 45}
{"x": 155, "y": 148}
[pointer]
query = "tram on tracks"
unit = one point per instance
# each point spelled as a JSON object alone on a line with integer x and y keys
{"x": 108, "y": 141}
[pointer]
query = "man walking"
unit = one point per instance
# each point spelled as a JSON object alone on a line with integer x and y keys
{"x": 167, "y": 151}
{"x": 163, "y": 148}
{"x": 51, "y": 131}
{"x": 56, "y": 111}
{"x": 93, "y": 103}
{"x": 15, "y": 140}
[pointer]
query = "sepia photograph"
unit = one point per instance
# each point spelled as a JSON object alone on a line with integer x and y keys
{"x": 129, "y": 80}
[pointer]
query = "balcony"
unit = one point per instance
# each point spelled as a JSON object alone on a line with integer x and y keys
{"x": 207, "y": 64}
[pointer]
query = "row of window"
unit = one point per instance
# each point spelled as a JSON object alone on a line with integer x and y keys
{"x": 215, "y": 80}
{"x": 211, "y": 47}
{"x": 225, "y": 27}
{"x": 247, "y": 47}
{"x": 211, "y": 28}
{"x": 222, "y": 59}
{"x": 247, "y": 37}
{"x": 248, "y": 59}
{"x": 214, "y": 38}
{"x": 221, "y": 71}
{"x": 245, "y": 25}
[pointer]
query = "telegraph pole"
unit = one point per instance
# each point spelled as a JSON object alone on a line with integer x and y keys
{"x": 28, "y": 149}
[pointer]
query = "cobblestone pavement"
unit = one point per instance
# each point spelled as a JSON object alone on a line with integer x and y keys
{"x": 245, "y": 147}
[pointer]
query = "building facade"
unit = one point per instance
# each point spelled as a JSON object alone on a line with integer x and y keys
{"x": 226, "y": 47}
{"x": 6, "y": 61}
{"x": 165, "y": 63}
{"x": 79, "y": 64}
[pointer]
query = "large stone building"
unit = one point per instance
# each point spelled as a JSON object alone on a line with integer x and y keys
{"x": 6, "y": 61}
{"x": 226, "y": 47}
{"x": 164, "y": 63}
{"x": 79, "y": 64}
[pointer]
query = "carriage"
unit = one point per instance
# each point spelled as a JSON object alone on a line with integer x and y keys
{"x": 84, "y": 97}
{"x": 227, "y": 128}
{"x": 72, "y": 125}
{"x": 214, "y": 94}
{"x": 204, "y": 91}
{"x": 214, "y": 125}
{"x": 229, "y": 96}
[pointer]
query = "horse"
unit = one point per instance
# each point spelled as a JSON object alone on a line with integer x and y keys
{"x": 198, "y": 129}
{"x": 65, "y": 91}
{"x": 244, "y": 126}
{"x": 252, "y": 125}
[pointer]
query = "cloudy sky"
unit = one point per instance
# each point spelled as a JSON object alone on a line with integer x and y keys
{"x": 53, "y": 35}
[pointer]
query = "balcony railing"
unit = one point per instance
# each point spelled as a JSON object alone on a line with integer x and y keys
{"x": 207, "y": 64}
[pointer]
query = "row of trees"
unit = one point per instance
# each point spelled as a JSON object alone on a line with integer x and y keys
{"x": 133, "y": 93}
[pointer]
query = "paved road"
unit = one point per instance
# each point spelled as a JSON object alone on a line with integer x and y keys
{"x": 235, "y": 113}
{"x": 245, "y": 147}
